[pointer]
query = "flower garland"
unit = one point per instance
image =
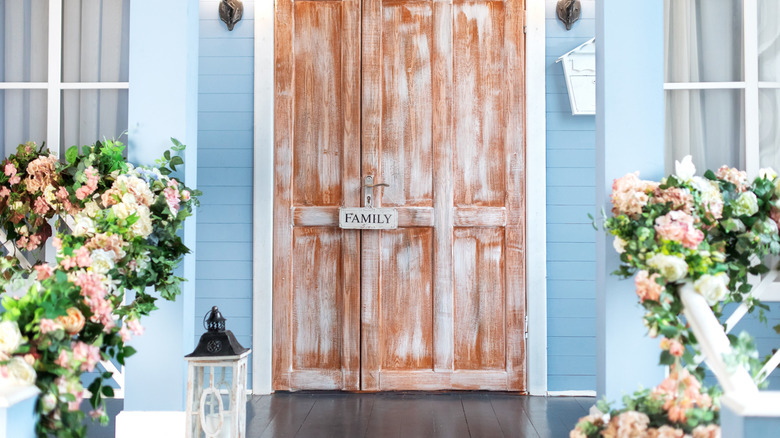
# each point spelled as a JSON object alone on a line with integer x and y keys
{"x": 116, "y": 230}
{"x": 711, "y": 232}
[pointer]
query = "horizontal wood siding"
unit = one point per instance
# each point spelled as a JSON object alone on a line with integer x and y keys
{"x": 225, "y": 150}
{"x": 571, "y": 251}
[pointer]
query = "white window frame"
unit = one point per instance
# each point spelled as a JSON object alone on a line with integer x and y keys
{"x": 751, "y": 86}
{"x": 54, "y": 85}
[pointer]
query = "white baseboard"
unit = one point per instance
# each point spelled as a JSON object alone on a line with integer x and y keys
{"x": 150, "y": 424}
{"x": 571, "y": 393}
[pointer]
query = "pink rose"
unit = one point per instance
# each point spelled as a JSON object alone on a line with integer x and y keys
{"x": 10, "y": 169}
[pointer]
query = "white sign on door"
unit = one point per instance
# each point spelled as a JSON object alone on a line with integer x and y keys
{"x": 364, "y": 218}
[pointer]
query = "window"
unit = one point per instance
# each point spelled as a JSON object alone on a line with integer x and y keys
{"x": 64, "y": 71}
{"x": 722, "y": 83}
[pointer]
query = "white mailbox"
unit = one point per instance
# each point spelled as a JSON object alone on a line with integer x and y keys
{"x": 579, "y": 68}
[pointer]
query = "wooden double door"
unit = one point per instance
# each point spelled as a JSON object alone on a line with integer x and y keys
{"x": 426, "y": 96}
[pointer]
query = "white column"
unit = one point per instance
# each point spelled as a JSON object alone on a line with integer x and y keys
{"x": 163, "y": 102}
{"x": 629, "y": 137}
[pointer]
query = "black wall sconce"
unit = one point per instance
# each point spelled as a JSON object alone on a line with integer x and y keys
{"x": 230, "y": 11}
{"x": 569, "y": 12}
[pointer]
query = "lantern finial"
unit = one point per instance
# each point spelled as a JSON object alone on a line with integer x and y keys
{"x": 213, "y": 321}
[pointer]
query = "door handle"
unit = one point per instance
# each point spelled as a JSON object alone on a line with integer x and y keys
{"x": 368, "y": 190}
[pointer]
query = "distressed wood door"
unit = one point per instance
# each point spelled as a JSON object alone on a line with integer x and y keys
{"x": 443, "y": 300}
{"x": 316, "y": 300}
{"x": 425, "y": 96}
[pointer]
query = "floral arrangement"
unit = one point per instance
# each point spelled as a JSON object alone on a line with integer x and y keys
{"x": 116, "y": 229}
{"x": 710, "y": 231}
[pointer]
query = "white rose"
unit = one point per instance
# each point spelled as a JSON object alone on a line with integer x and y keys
{"x": 49, "y": 402}
{"x": 21, "y": 371}
{"x": 619, "y": 245}
{"x": 102, "y": 261}
{"x": 121, "y": 210}
{"x": 10, "y": 337}
{"x": 713, "y": 288}
{"x": 672, "y": 268}
{"x": 705, "y": 186}
{"x": 83, "y": 225}
{"x": 767, "y": 173}
{"x": 684, "y": 170}
{"x": 23, "y": 230}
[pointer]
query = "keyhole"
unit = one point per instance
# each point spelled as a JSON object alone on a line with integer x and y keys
{"x": 368, "y": 200}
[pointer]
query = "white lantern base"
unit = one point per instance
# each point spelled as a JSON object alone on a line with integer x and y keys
{"x": 150, "y": 424}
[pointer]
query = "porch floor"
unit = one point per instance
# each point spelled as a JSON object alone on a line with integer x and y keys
{"x": 399, "y": 414}
{"x": 411, "y": 414}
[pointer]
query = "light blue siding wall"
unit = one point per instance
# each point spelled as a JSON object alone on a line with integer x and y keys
{"x": 571, "y": 251}
{"x": 225, "y": 143}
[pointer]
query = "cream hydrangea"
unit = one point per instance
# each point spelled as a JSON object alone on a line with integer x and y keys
{"x": 143, "y": 226}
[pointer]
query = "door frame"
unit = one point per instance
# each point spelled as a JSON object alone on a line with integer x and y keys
{"x": 263, "y": 183}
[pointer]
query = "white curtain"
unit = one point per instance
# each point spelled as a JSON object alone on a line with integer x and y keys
{"x": 769, "y": 71}
{"x": 24, "y": 58}
{"x": 703, "y": 43}
{"x": 95, "y": 49}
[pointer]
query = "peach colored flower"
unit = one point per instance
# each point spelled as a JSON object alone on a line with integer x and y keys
{"x": 630, "y": 424}
{"x": 666, "y": 431}
{"x": 629, "y": 194}
{"x": 49, "y": 325}
{"x": 16, "y": 179}
{"x": 73, "y": 322}
{"x": 135, "y": 326}
{"x": 678, "y": 226}
{"x": 676, "y": 348}
{"x": 40, "y": 173}
{"x": 680, "y": 199}
{"x": 108, "y": 242}
{"x": 646, "y": 286}
{"x": 87, "y": 355}
{"x": 44, "y": 271}
{"x": 63, "y": 359}
{"x": 734, "y": 176}
{"x": 40, "y": 206}
{"x": 709, "y": 431}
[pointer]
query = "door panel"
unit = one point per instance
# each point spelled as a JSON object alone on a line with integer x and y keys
{"x": 317, "y": 164}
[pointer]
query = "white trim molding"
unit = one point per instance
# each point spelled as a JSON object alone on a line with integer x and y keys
{"x": 263, "y": 199}
{"x": 536, "y": 199}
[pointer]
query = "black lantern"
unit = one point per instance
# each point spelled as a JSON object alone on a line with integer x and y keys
{"x": 216, "y": 383}
{"x": 216, "y": 341}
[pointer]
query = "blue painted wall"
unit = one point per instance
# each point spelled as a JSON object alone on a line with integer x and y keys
{"x": 571, "y": 250}
{"x": 225, "y": 143}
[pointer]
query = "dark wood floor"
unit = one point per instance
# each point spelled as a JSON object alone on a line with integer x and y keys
{"x": 404, "y": 415}
{"x": 409, "y": 415}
